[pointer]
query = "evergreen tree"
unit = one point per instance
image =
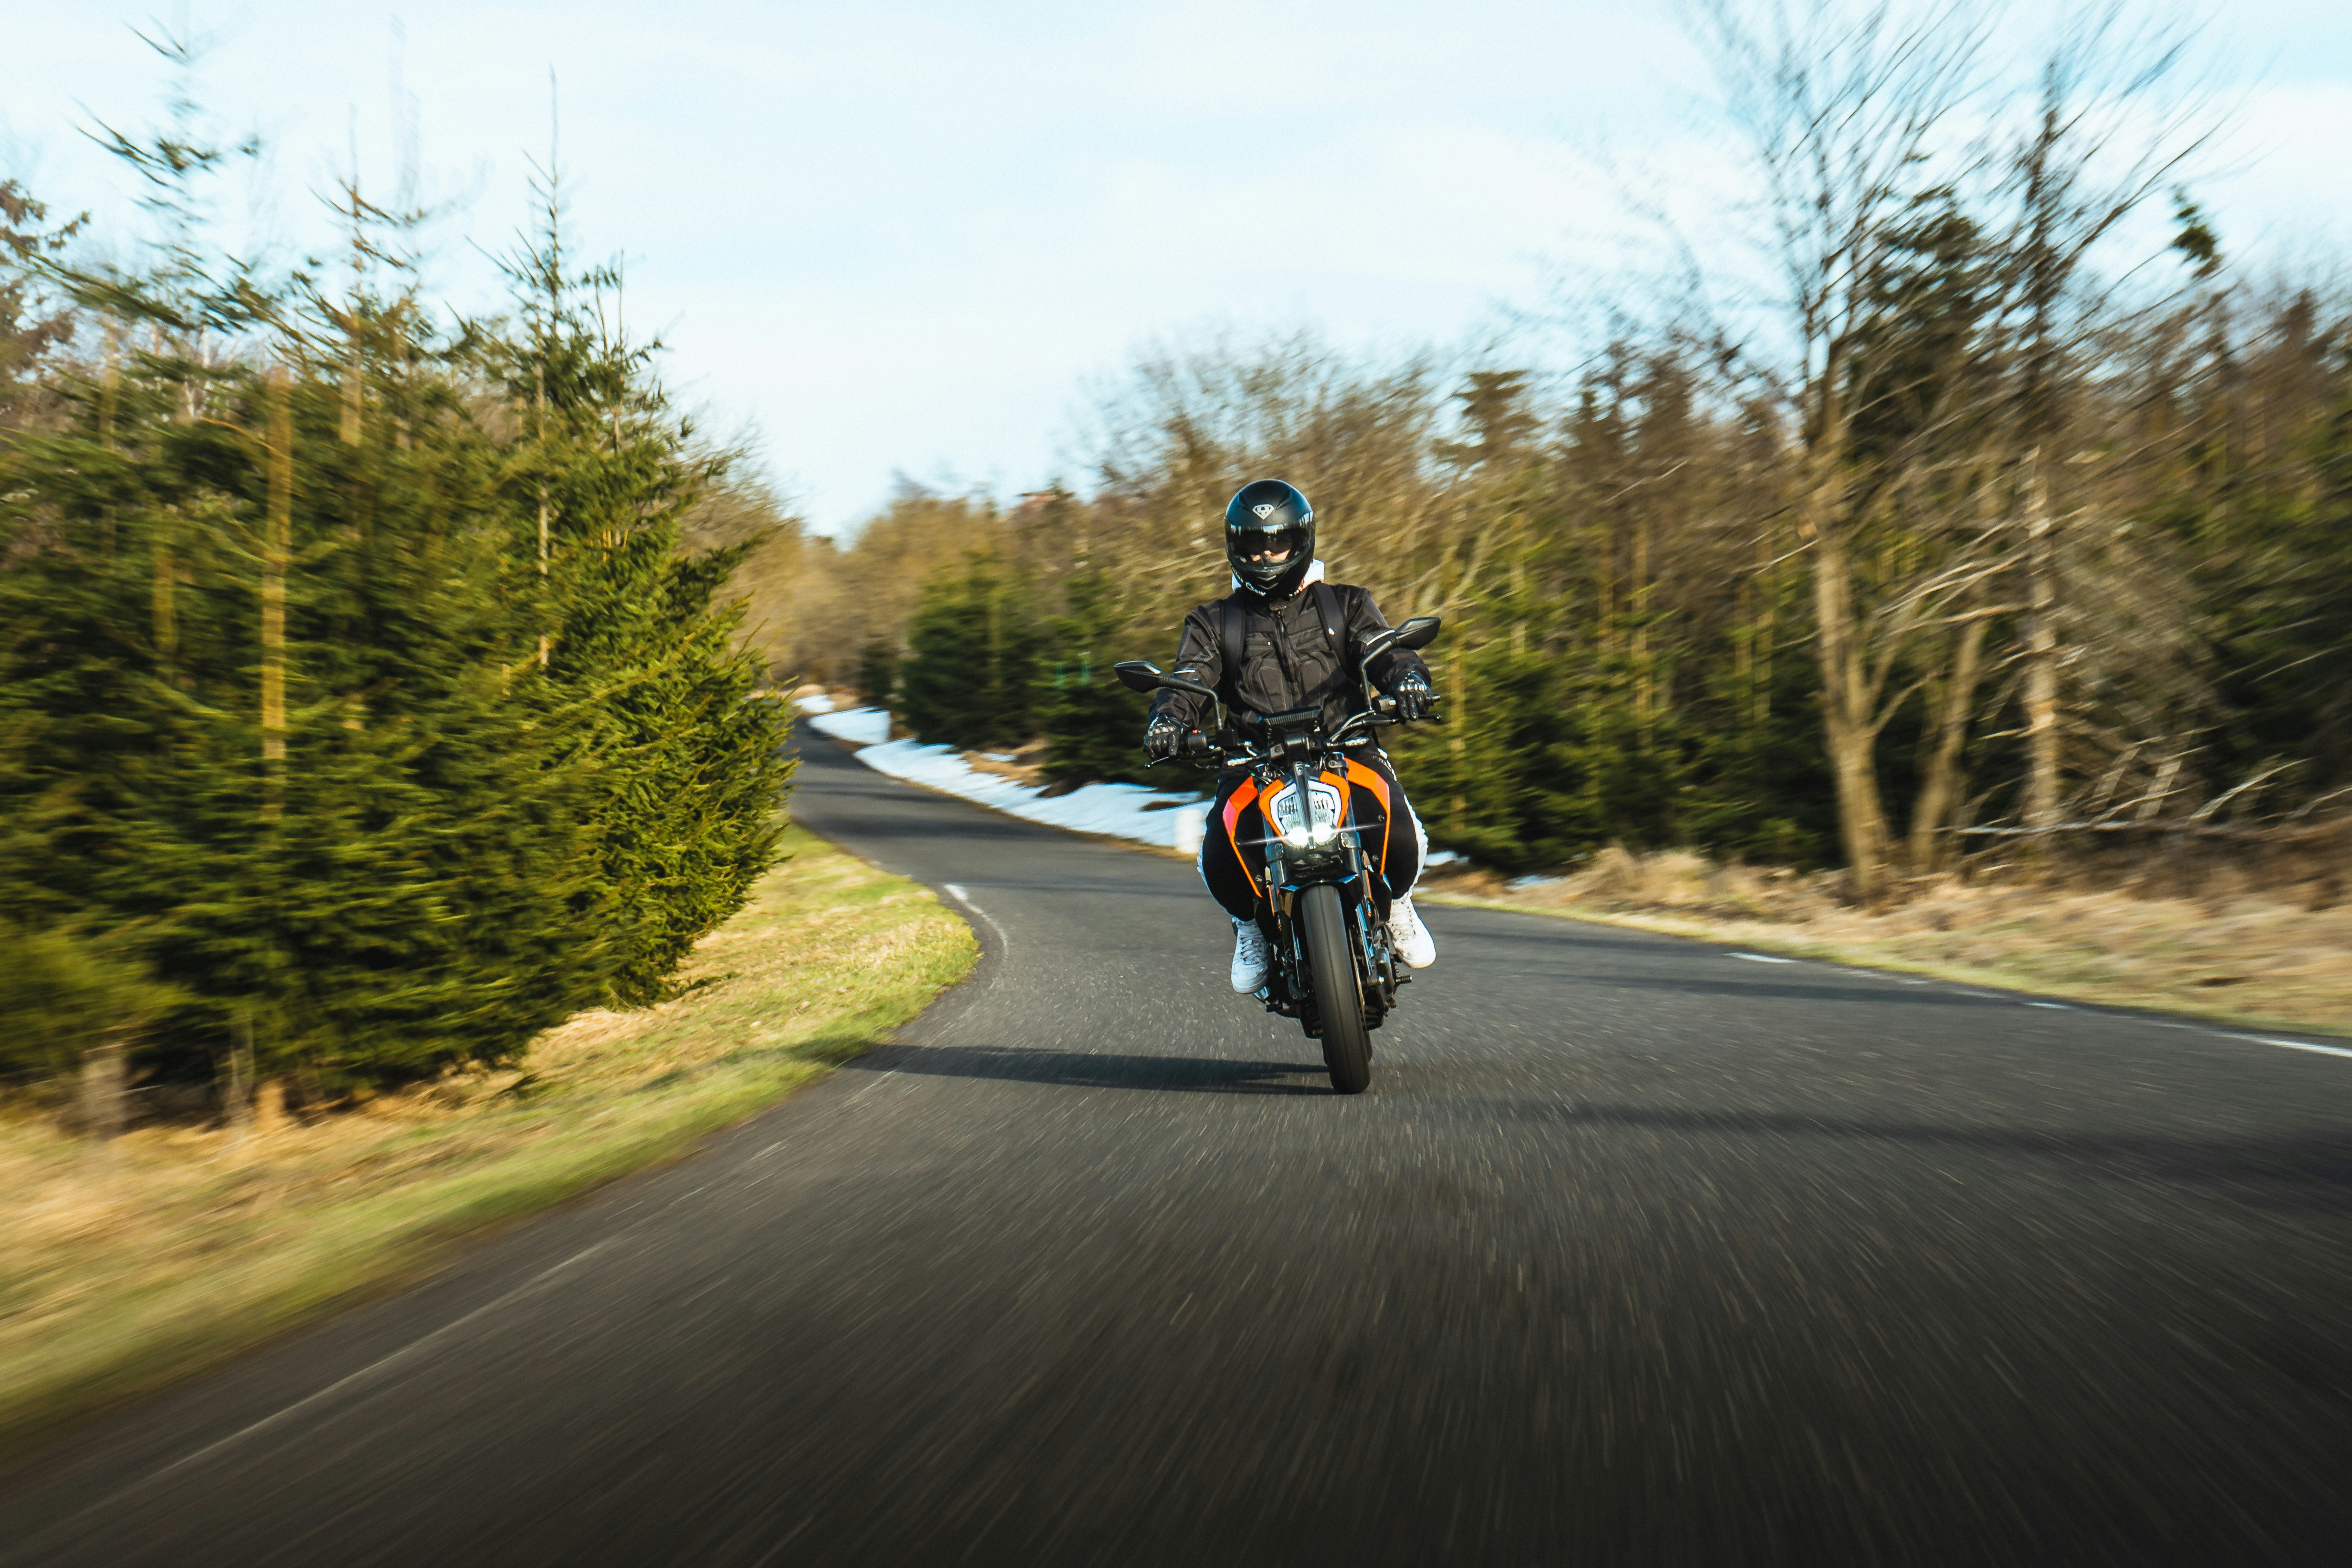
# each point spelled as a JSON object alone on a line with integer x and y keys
{"x": 878, "y": 673}
{"x": 971, "y": 654}
{"x": 265, "y": 727}
{"x": 297, "y": 713}
{"x": 1092, "y": 725}
{"x": 636, "y": 645}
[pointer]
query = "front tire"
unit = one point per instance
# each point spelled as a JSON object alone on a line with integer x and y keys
{"x": 1339, "y": 992}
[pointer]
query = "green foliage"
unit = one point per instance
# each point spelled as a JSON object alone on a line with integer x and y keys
{"x": 60, "y": 992}
{"x": 877, "y": 679}
{"x": 1089, "y": 722}
{"x": 404, "y": 888}
{"x": 300, "y": 715}
{"x": 971, "y": 657}
{"x": 2275, "y": 585}
{"x": 687, "y": 765}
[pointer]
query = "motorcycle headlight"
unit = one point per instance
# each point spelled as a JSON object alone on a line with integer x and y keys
{"x": 1314, "y": 820}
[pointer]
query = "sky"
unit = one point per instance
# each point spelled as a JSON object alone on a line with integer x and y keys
{"x": 903, "y": 236}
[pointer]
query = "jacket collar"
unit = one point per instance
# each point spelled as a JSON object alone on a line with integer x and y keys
{"x": 1314, "y": 575}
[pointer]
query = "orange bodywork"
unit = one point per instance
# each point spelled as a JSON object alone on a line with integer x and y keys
{"x": 1241, "y": 801}
{"x": 1357, "y": 774}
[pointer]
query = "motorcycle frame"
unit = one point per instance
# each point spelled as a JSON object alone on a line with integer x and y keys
{"x": 1299, "y": 755}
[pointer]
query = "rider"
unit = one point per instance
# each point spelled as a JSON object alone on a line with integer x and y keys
{"x": 1283, "y": 640}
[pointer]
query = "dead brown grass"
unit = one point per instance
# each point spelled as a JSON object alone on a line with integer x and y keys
{"x": 2237, "y": 951}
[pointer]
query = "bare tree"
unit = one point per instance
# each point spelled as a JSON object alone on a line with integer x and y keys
{"x": 1848, "y": 112}
{"x": 2099, "y": 145}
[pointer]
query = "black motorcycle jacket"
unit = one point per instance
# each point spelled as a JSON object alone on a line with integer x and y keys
{"x": 1286, "y": 654}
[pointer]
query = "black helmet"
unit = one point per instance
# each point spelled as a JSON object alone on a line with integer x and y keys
{"x": 1266, "y": 518}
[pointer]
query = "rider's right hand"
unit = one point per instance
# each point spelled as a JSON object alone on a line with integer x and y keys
{"x": 1163, "y": 737}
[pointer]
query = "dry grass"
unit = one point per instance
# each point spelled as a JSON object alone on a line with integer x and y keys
{"x": 124, "y": 1265}
{"x": 2237, "y": 951}
{"x": 1027, "y": 765}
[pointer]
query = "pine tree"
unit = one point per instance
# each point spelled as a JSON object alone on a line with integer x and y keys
{"x": 1092, "y": 725}
{"x": 265, "y": 726}
{"x": 971, "y": 654}
{"x": 637, "y": 648}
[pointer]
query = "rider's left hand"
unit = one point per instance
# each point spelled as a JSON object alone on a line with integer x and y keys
{"x": 1415, "y": 699}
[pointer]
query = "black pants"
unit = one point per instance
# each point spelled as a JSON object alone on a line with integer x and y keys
{"x": 1232, "y": 850}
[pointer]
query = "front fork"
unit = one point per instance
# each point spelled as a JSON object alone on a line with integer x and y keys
{"x": 1291, "y": 993}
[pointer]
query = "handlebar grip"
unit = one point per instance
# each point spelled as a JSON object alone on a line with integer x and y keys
{"x": 1384, "y": 706}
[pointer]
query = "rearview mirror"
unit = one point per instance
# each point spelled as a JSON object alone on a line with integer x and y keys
{"x": 1416, "y": 633}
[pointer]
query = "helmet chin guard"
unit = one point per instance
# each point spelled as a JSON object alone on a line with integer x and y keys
{"x": 1269, "y": 537}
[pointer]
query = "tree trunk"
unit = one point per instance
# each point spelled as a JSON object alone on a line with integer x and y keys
{"x": 270, "y": 1105}
{"x": 1646, "y": 695}
{"x": 236, "y": 1080}
{"x": 1457, "y": 748}
{"x": 1939, "y": 782}
{"x": 2041, "y": 683}
{"x": 167, "y": 627}
{"x": 276, "y": 550}
{"x": 539, "y": 419}
{"x": 1767, "y": 577}
{"x": 1853, "y": 741}
{"x": 103, "y": 1079}
{"x": 355, "y": 404}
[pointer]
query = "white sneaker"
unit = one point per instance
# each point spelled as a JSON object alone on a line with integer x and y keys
{"x": 1413, "y": 943}
{"x": 1251, "y": 957}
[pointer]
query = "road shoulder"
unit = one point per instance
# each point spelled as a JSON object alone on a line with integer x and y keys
{"x": 2042, "y": 971}
{"x": 134, "y": 1265}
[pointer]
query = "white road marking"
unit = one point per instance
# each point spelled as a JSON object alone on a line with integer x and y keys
{"x": 2315, "y": 1050}
{"x": 965, "y": 900}
{"x": 403, "y": 1353}
{"x": 2293, "y": 1044}
{"x": 870, "y": 1087}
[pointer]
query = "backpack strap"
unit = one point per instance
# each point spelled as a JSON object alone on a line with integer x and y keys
{"x": 1231, "y": 631}
{"x": 1327, "y": 605}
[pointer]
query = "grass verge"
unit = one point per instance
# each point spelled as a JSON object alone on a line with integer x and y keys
{"x": 126, "y": 1265}
{"x": 2245, "y": 960}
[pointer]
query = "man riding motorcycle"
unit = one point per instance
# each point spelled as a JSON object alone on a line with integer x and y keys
{"x": 1282, "y": 641}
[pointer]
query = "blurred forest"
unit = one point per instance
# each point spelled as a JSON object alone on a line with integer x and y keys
{"x": 370, "y": 699}
{"x": 378, "y": 686}
{"x": 1978, "y": 527}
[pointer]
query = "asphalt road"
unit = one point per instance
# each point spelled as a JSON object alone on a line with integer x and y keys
{"x": 1636, "y": 1252}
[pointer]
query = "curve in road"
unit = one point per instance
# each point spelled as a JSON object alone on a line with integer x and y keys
{"x": 1634, "y": 1253}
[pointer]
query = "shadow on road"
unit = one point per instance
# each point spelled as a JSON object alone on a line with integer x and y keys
{"x": 1096, "y": 1069}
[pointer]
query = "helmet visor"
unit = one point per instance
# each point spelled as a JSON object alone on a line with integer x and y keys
{"x": 1276, "y": 546}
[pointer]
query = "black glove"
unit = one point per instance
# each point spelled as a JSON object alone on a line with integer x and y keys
{"x": 1163, "y": 737}
{"x": 1415, "y": 699}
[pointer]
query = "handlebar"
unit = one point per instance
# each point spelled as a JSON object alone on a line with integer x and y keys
{"x": 1197, "y": 746}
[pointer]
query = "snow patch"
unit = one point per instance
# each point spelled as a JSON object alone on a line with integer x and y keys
{"x": 858, "y": 726}
{"x": 1133, "y": 812}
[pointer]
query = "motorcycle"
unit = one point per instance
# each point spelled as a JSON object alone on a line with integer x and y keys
{"x": 1335, "y": 968}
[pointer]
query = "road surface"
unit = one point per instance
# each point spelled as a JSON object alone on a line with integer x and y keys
{"x": 1637, "y": 1251}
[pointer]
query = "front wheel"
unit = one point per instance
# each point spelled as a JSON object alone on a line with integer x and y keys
{"x": 1339, "y": 993}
